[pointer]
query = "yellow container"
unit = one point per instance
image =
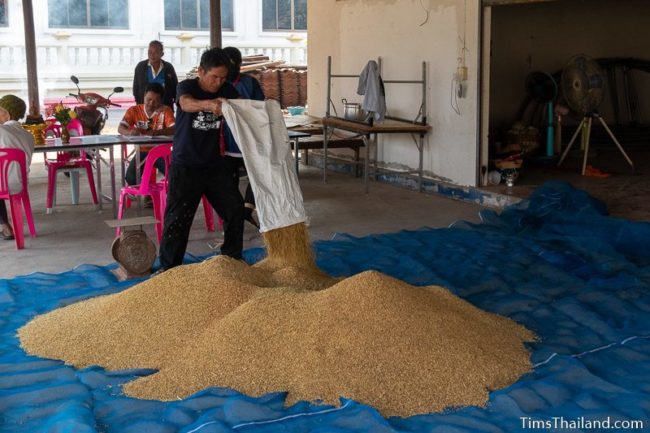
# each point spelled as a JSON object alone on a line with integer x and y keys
{"x": 37, "y": 131}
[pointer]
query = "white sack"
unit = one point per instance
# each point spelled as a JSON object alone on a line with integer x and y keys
{"x": 260, "y": 132}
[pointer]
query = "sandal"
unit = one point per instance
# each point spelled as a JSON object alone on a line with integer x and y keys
{"x": 7, "y": 234}
{"x": 595, "y": 172}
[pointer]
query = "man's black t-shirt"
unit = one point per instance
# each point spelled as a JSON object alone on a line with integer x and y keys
{"x": 196, "y": 140}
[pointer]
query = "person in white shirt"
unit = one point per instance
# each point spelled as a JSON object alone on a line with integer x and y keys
{"x": 12, "y": 135}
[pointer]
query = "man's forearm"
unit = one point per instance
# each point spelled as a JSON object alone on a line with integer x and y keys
{"x": 123, "y": 129}
{"x": 191, "y": 105}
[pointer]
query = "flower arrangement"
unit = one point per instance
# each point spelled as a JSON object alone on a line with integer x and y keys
{"x": 62, "y": 113}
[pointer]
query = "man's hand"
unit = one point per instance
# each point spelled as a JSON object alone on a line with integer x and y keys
{"x": 130, "y": 131}
{"x": 214, "y": 105}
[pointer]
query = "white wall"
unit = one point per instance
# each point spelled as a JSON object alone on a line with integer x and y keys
{"x": 355, "y": 31}
{"x": 545, "y": 36}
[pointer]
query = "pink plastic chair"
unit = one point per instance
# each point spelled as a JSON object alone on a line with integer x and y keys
{"x": 17, "y": 200}
{"x": 53, "y": 129}
{"x": 75, "y": 128}
{"x": 148, "y": 186}
{"x": 68, "y": 161}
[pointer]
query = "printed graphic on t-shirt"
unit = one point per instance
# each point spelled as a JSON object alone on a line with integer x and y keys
{"x": 205, "y": 120}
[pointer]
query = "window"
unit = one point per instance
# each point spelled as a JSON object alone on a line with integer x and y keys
{"x": 3, "y": 13}
{"x": 284, "y": 15}
{"x": 195, "y": 15}
{"x": 107, "y": 14}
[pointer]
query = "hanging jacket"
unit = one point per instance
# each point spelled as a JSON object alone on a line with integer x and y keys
{"x": 372, "y": 87}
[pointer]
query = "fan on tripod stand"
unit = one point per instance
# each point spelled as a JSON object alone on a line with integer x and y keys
{"x": 541, "y": 87}
{"x": 583, "y": 85}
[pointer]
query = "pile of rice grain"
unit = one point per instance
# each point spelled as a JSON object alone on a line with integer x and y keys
{"x": 404, "y": 350}
{"x": 147, "y": 324}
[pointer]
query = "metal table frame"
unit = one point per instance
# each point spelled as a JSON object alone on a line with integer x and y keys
{"x": 99, "y": 142}
{"x": 394, "y": 125}
{"x": 368, "y": 131}
{"x": 295, "y": 137}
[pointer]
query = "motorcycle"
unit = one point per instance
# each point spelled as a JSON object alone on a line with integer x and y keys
{"x": 94, "y": 113}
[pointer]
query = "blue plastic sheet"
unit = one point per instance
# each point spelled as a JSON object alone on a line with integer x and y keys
{"x": 557, "y": 264}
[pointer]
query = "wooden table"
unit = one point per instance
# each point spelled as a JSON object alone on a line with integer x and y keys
{"x": 311, "y": 129}
{"x": 304, "y": 123}
{"x": 313, "y": 126}
{"x": 389, "y": 126}
{"x": 103, "y": 142}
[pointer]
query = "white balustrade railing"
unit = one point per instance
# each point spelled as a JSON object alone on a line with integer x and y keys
{"x": 103, "y": 67}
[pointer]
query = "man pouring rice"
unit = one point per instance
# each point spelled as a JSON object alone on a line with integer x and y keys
{"x": 199, "y": 166}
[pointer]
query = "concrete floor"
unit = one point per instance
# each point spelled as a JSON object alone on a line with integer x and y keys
{"x": 625, "y": 191}
{"x": 77, "y": 234}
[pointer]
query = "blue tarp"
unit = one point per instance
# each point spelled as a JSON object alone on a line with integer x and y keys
{"x": 557, "y": 264}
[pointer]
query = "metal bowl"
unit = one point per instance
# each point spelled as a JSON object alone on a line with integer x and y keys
{"x": 353, "y": 111}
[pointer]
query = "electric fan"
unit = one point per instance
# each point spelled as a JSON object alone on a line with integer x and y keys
{"x": 541, "y": 87}
{"x": 583, "y": 85}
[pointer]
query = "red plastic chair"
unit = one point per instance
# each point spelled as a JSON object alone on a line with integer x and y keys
{"x": 159, "y": 212}
{"x": 148, "y": 186}
{"x": 68, "y": 161}
{"x": 17, "y": 200}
